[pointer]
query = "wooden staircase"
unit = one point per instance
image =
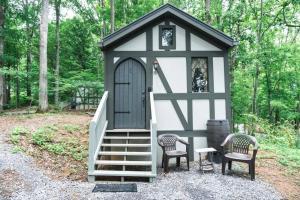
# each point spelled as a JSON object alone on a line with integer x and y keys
{"x": 124, "y": 153}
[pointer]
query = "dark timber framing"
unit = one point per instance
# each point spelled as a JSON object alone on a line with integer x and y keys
{"x": 169, "y": 14}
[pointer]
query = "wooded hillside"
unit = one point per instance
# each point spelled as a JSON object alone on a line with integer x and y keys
{"x": 265, "y": 66}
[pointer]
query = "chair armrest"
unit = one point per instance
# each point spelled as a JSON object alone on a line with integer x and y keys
{"x": 228, "y": 138}
{"x": 183, "y": 142}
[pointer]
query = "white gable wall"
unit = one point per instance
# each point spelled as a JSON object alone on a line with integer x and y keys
{"x": 198, "y": 44}
{"x": 136, "y": 44}
{"x": 180, "y": 38}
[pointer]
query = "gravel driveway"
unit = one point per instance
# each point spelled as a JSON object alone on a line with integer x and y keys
{"x": 21, "y": 179}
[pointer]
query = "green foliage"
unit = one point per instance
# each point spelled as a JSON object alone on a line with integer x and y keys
{"x": 17, "y": 149}
{"x": 16, "y": 133}
{"x": 57, "y": 148}
{"x": 44, "y": 135}
{"x": 283, "y": 134}
{"x": 71, "y": 128}
{"x": 286, "y": 156}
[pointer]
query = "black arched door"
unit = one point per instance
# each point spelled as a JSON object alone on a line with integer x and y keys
{"x": 130, "y": 102}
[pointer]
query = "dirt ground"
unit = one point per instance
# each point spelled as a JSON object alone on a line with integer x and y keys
{"x": 65, "y": 167}
{"x": 55, "y": 166}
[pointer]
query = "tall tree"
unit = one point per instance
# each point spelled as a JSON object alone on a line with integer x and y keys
{"x": 43, "y": 83}
{"x": 57, "y": 49}
{"x": 2, "y": 76}
{"x": 207, "y": 12}
{"x": 112, "y": 16}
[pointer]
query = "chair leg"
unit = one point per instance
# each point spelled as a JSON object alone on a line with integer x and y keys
{"x": 178, "y": 161}
{"x": 166, "y": 164}
{"x": 162, "y": 161}
{"x": 252, "y": 171}
{"x": 229, "y": 165}
{"x": 249, "y": 168}
{"x": 188, "y": 162}
{"x": 223, "y": 166}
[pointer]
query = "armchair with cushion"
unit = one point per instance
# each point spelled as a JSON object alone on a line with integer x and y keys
{"x": 168, "y": 145}
{"x": 236, "y": 148}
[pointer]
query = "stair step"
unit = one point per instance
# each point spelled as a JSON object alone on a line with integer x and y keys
{"x": 126, "y": 145}
{"x": 123, "y": 153}
{"x": 127, "y": 130}
{"x": 126, "y": 138}
{"x": 122, "y": 162}
{"x": 121, "y": 173}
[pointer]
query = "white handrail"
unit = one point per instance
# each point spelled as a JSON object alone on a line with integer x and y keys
{"x": 153, "y": 129}
{"x": 96, "y": 131}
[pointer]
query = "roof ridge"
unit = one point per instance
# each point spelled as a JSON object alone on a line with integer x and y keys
{"x": 171, "y": 9}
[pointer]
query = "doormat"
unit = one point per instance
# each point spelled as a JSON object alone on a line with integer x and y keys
{"x": 129, "y": 187}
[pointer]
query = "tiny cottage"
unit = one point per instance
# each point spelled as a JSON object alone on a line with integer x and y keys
{"x": 166, "y": 72}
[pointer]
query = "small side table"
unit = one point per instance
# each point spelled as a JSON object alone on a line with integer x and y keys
{"x": 206, "y": 165}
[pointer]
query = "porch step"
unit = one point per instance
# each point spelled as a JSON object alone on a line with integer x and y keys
{"x": 123, "y": 153}
{"x": 126, "y": 138}
{"x": 126, "y": 145}
{"x": 127, "y": 130}
{"x": 121, "y": 173}
{"x": 121, "y": 162}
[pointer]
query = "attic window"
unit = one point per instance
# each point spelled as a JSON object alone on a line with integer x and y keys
{"x": 167, "y": 37}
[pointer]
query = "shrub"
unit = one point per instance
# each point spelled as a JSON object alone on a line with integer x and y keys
{"x": 57, "y": 148}
{"x": 16, "y": 133}
{"x": 43, "y": 135}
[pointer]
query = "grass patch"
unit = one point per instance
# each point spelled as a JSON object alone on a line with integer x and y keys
{"x": 49, "y": 139}
{"x": 286, "y": 156}
{"x": 17, "y": 133}
{"x": 71, "y": 128}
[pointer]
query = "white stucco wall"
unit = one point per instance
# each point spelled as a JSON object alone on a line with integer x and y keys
{"x": 180, "y": 39}
{"x": 174, "y": 69}
{"x": 219, "y": 75}
{"x": 167, "y": 118}
{"x": 136, "y": 44}
{"x": 201, "y": 114}
{"x": 198, "y": 44}
{"x": 155, "y": 38}
{"x": 220, "y": 109}
{"x": 116, "y": 59}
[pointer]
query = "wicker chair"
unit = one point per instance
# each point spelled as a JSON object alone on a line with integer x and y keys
{"x": 238, "y": 150}
{"x": 168, "y": 145}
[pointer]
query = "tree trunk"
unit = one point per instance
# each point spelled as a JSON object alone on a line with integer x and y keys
{"x": 57, "y": 50}
{"x": 257, "y": 65}
{"x": 2, "y": 76}
{"x": 103, "y": 32}
{"x": 17, "y": 88}
{"x": 43, "y": 85}
{"x": 29, "y": 33}
{"x": 112, "y": 16}
{"x": 207, "y": 12}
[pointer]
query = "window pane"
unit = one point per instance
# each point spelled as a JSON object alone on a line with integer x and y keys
{"x": 199, "y": 75}
{"x": 167, "y": 37}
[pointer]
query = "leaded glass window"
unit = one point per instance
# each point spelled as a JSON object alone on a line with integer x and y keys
{"x": 199, "y": 75}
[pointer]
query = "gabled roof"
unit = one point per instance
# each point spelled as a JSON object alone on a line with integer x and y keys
{"x": 171, "y": 10}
